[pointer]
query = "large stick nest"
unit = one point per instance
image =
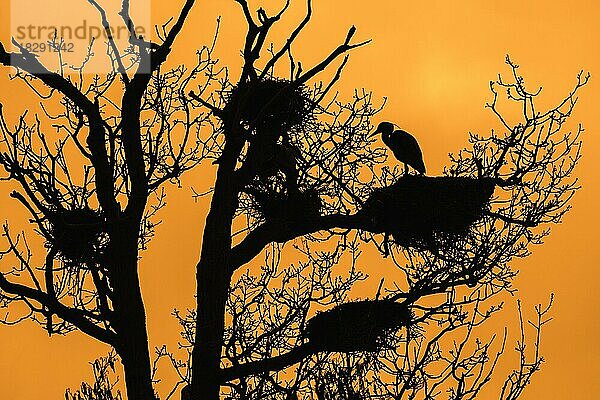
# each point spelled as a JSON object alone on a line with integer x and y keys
{"x": 274, "y": 103}
{"x": 356, "y": 326}
{"x": 76, "y": 234}
{"x": 419, "y": 211}
{"x": 291, "y": 205}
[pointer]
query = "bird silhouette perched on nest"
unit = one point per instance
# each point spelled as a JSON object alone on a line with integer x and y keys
{"x": 404, "y": 146}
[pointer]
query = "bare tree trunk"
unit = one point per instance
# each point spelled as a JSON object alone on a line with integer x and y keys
{"x": 130, "y": 316}
{"x": 213, "y": 284}
{"x": 213, "y": 276}
{"x": 136, "y": 363}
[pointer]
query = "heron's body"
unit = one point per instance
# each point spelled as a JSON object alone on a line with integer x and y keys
{"x": 405, "y": 149}
{"x": 404, "y": 146}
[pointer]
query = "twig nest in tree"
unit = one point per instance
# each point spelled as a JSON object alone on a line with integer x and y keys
{"x": 356, "y": 326}
{"x": 421, "y": 211}
{"x": 286, "y": 206}
{"x": 76, "y": 234}
{"x": 271, "y": 103}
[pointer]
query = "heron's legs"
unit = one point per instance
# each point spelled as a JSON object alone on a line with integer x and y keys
{"x": 386, "y": 245}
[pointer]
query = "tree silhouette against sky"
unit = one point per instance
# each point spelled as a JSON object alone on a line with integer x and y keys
{"x": 294, "y": 164}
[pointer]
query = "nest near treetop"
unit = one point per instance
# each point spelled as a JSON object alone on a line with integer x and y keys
{"x": 421, "y": 211}
{"x": 282, "y": 206}
{"x": 276, "y": 103}
{"x": 76, "y": 234}
{"x": 356, "y": 326}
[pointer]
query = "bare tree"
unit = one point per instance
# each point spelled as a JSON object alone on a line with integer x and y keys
{"x": 294, "y": 164}
{"x": 95, "y": 210}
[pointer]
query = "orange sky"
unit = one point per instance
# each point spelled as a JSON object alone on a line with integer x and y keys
{"x": 433, "y": 60}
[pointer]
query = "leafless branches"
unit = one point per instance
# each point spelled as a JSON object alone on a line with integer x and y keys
{"x": 295, "y": 167}
{"x": 104, "y": 386}
{"x": 532, "y": 165}
{"x": 519, "y": 378}
{"x": 90, "y": 168}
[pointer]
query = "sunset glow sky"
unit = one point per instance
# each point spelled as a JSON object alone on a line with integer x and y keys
{"x": 433, "y": 61}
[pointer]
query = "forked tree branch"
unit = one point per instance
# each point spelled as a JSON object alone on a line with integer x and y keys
{"x": 340, "y": 50}
{"x": 276, "y": 363}
{"x": 73, "y": 316}
{"x": 288, "y": 44}
{"x": 29, "y": 63}
{"x": 111, "y": 40}
{"x": 270, "y": 232}
{"x": 162, "y": 52}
